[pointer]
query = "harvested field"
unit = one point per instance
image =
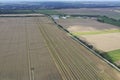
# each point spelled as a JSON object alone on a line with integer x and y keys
{"x": 84, "y": 25}
{"x": 110, "y": 12}
{"x": 35, "y": 49}
{"x": 23, "y": 53}
{"x": 104, "y": 42}
{"x": 73, "y": 60}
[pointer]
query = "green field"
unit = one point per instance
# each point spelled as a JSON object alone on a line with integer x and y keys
{"x": 95, "y": 32}
{"x": 48, "y": 12}
{"x": 113, "y": 55}
{"x": 108, "y": 20}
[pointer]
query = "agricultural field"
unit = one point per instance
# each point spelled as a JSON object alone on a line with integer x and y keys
{"x": 93, "y": 32}
{"x": 102, "y": 36}
{"x": 23, "y": 53}
{"x": 105, "y": 41}
{"x": 75, "y": 25}
{"x": 34, "y": 48}
{"x": 109, "y": 12}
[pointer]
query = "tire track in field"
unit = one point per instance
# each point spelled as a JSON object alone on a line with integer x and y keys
{"x": 30, "y": 69}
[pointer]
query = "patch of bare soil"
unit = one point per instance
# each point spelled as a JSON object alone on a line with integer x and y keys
{"x": 105, "y": 42}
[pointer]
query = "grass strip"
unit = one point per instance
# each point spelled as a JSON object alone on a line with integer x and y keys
{"x": 95, "y": 32}
{"x": 113, "y": 55}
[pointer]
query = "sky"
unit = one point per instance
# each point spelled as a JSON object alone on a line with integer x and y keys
{"x": 54, "y": 0}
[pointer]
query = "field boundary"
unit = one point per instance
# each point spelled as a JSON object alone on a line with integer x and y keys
{"x": 85, "y": 45}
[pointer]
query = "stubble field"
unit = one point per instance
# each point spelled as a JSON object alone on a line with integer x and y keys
{"x": 23, "y": 54}
{"x": 33, "y": 48}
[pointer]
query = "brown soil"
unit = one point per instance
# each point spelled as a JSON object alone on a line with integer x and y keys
{"x": 104, "y": 42}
